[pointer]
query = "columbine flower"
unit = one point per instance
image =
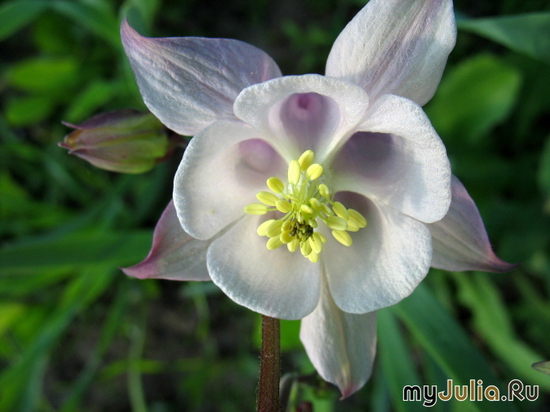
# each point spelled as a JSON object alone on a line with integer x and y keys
{"x": 322, "y": 198}
{"x": 125, "y": 141}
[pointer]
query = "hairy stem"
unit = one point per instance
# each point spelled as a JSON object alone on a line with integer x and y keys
{"x": 270, "y": 366}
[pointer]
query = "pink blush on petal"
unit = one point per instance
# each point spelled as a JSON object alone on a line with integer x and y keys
{"x": 258, "y": 161}
{"x": 309, "y": 119}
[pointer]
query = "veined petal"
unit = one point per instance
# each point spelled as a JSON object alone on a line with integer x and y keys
{"x": 190, "y": 82}
{"x": 398, "y": 159}
{"x": 460, "y": 241}
{"x": 340, "y": 345}
{"x": 302, "y": 112}
{"x": 275, "y": 283}
{"x": 396, "y": 46}
{"x": 174, "y": 255}
{"x": 222, "y": 169}
{"x": 388, "y": 259}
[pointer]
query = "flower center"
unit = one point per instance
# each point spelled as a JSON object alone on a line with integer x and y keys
{"x": 305, "y": 200}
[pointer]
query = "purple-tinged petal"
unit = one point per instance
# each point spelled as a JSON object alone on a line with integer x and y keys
{"x": 297, "y": 113}
{"x": 460, "y": 241}
{"x": 340, "y": 345}
{"x": 174, "y": 255}
{"x": 396, "y": 46}
{"x": 275, "y": 283}
{"x": 190, "y": 82}
{"x": 398, "y": 159}
{"x": 222, "y": 169}
{"x": 388, "y": 258}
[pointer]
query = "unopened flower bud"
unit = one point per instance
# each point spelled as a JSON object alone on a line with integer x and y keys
{"x": 126, "y": 141}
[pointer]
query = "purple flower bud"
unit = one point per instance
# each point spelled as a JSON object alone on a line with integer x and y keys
{"x": 125, "y": 141}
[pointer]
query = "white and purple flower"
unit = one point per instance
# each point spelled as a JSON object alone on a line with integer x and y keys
{"x": 342, "y": 173}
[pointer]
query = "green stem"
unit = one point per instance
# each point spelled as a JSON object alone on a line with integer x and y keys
{"x": 270, "y": 366}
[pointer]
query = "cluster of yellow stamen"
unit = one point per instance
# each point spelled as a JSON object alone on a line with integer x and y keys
{"x": 304, "y": 200}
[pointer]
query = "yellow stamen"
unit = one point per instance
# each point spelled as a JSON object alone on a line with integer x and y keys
{"x": 293, "y": 246}
{"x": 286, "y": 237}
{"x": 306, "y": 159}
{"x": 274, "y": 229}
{"x": 339, "y": 209}
{"x": 267, "y": 197}
{"x": 255, "y": 209}
{"x": 314, "y": 171}
{"x": 336, "y": 223}
{"x": 293, "y": 172}
{"x": 274, "y": 243}
{"x": 275, "y": 185}
{"x": 343, "y": 237}
{"x": 304, "y": 201}
{"x": 283, "y": 205}
{"x": 323, "y": 189}
{"x": 262, "y": 229}
{"x": 305, "y": 248}
{"x": 306, "y": 209}
{"x": 313, "y": 257}
{"x": 357, "y": 217}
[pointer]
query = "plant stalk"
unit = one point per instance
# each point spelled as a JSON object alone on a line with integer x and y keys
{"x": 270, "y": 366}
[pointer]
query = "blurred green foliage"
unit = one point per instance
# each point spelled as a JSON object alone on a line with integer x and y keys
{"x": 77, "y": 335}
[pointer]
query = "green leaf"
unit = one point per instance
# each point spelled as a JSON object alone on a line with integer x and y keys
{"x": 22, "y": 286}
{"x": 473, "y": 98}
{"x": 10, "y": 312}
{"x": 20, "y": 213}
{"x": 95, "y": 17}
{"x": 399, "y": 369}
{"x": 524, "y": 33}
{"x": 113, "y": 325}
{"x": 491, "y": 320}
{"x": 89, "y": 100}
{"x": 54, "y": 37}
{"x": 14, "y": 380}
{"x": 447, "y": 343}
{"x": 17, "y": 14}
{"x": 24, "y": 111}
{"x": 44, "y": 75}
{"x": 76, "y": 250}
{"x": 290, "y": 334}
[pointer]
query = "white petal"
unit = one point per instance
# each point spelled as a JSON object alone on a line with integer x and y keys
{"x": 275, "y": 283}
{"x": 396, "y": 46}
{"x": 190, "y": 82}
{"x": 174, "y": 255}
{"x": 460, "y": 241}
{"x": 340, "y": 345}
{"x": 399, "y": 161}
{"x": 302, "y": 112}
{"x": 386, "y": 262}
{"x": 222, "y": 169}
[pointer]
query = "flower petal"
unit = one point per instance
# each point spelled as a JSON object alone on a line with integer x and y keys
{"x": 388, "y": 258}
{"x": 275, "y": 283}
{"x": 174, "y": 255}
{"x": 396, "y": 46}
{"x": 190, "y": 82}
{"x": 340, "y": 345}
{"x": 398, "y": 159}
{"x": 222, "y": 169}
{"x": 302, "y": 112}
{"x": 460, "y": 241}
